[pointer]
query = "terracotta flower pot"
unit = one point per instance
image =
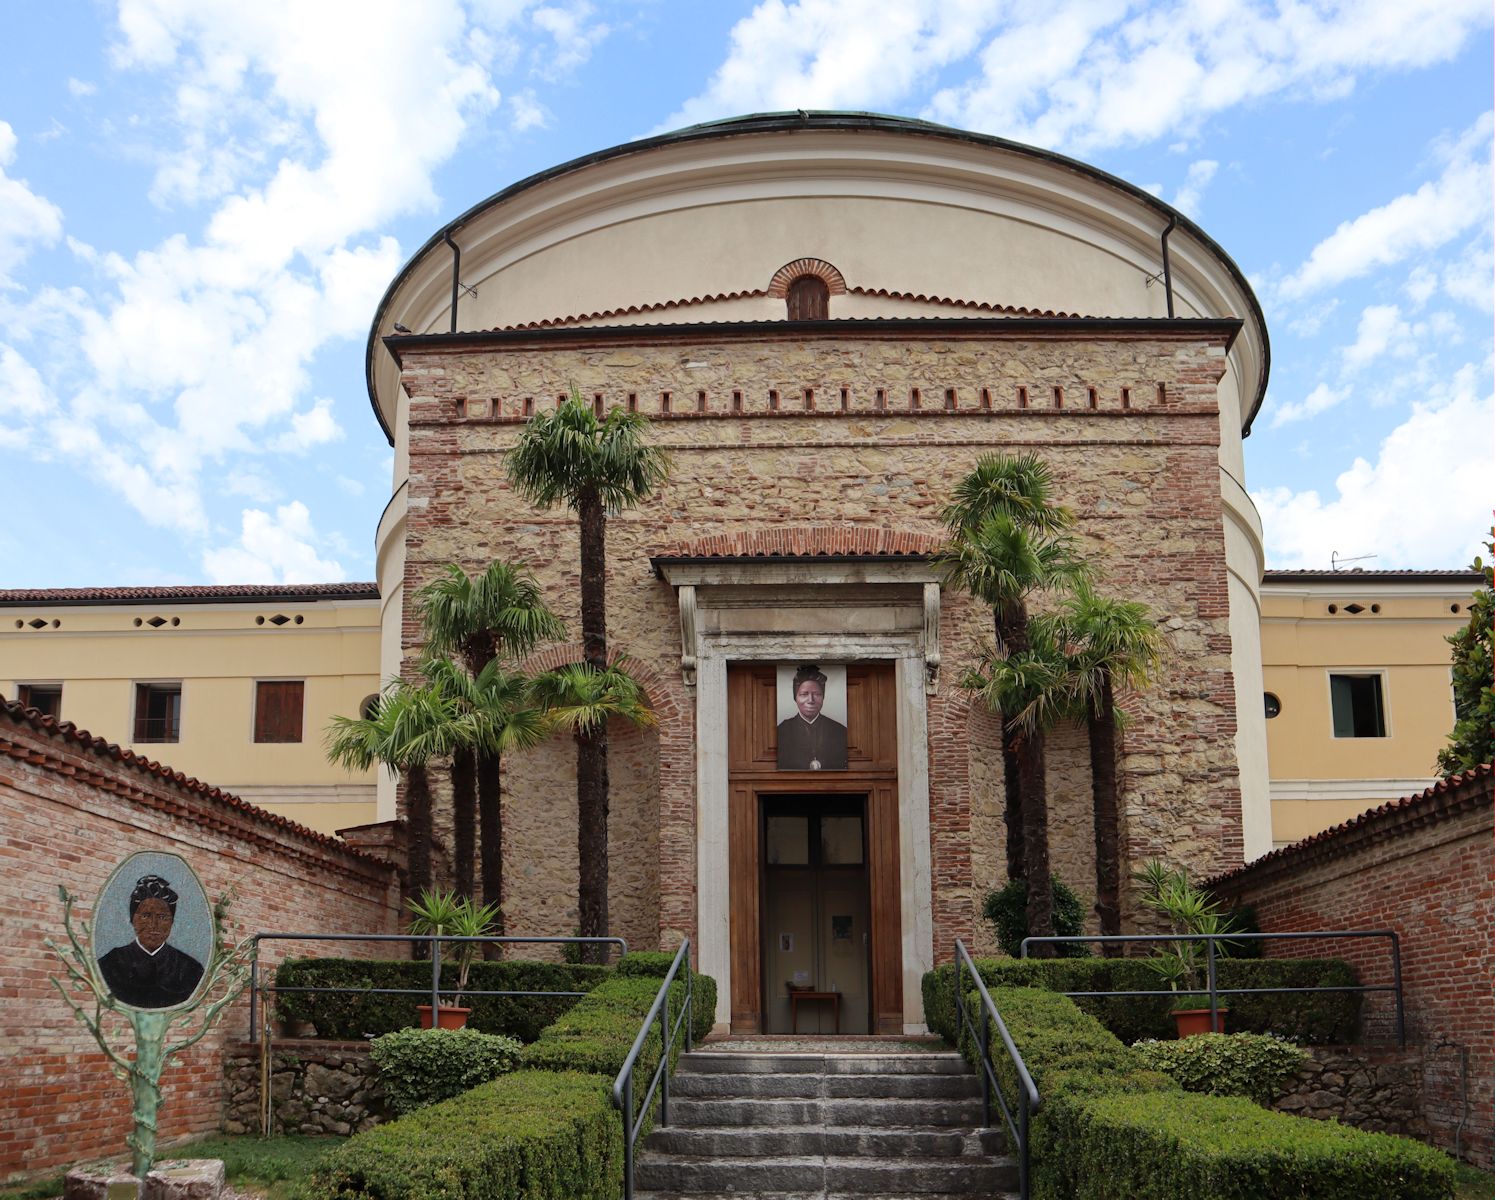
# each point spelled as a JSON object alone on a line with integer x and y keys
{"x": 1197, "y": 1020}
{"x": 449, "y": 1017}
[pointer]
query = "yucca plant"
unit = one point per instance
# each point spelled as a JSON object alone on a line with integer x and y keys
{"x": 446, "y": 914}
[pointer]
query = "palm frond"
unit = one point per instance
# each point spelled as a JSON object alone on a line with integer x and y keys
{"x": 581, "y": 698}
{"x": 1017, "y": 486}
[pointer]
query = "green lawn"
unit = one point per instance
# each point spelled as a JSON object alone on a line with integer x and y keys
{"x": 1474, "y": 1184}
{"x": 273, "y": 1167}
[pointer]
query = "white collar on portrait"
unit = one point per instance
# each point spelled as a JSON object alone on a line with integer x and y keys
{"x": 154, "y": 952}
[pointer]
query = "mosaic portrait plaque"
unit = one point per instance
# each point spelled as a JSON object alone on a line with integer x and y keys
{"x": 153, "y": 932}
{"x": 812, "y": 717}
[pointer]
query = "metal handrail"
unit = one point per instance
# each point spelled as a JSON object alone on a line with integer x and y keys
{"x": 1027, "y": 1097}
{"x": 623, "y": 1085}
{"x": 434, "y": 991}
{"x": 1212, "y": 987}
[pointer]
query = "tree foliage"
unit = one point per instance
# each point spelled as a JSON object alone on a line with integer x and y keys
{"x": 1472, "y": 740}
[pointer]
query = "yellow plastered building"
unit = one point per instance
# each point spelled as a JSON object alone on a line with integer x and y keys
{"x": 232, "y": 685}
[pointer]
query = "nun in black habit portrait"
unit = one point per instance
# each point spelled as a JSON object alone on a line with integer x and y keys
{"x": 146, "y": 972}
{"x": 809, "y": 740}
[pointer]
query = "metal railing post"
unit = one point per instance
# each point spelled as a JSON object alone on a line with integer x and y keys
{"x": 1023, "y": 1159}
{"x": 435, "y": 946}
{"x": 254, "y": 997}
{"x": 664, "y": 1081}
{"x": 1396, "y": 973}
{"x": 1214, "y": 995}
{"x": 690, "y": 1011}
{"x": 628, "y": 1137}
{"x": 986, "y": 1056}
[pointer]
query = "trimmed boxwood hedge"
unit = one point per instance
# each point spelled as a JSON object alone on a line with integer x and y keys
{"x": 1107, "y": 1129}
{"x": 351, "y": 1016}
{"x": 537, "y": 1134}
{"x": 1304, "y": 1017}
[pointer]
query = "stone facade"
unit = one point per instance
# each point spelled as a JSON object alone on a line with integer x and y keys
{"x": 317, "y": 1088}
{"x": 1423, "y": 867}
{"x": 72, "y": 807}
{"x": 1370, "y": 1088}
{"x": 861, "y": 426}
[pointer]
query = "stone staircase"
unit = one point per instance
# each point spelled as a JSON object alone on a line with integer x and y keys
{"x": 823, "y": 1126}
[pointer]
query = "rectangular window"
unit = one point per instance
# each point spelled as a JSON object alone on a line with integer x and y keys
{"x": 1359, "y": 711}
{"x": 46, "y": 698}
{"x": 277, "y": 710}
{"x": 158, "y": 712}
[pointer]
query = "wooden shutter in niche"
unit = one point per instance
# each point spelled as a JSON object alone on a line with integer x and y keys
{"x": 277, "y": 711}
{"x": 809, "y": 299}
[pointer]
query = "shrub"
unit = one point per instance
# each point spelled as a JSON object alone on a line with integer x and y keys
{"x": 424, "y": 1066}
{"x": 1252, "y": 1065}
{"x": 1006, "y": 909}
{"x": 597, "y": 1034}
{"x": 535, "y": 1134}
{"x": 352, "y": 1016}
{"x": 1168, "y": 1146}
{"x": 1306, "y": 1017}
{"x": 1109, "y": 1129}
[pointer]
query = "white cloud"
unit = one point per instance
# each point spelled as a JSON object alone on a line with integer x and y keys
{"x": 1421, "y": 285}
{"x": 1470, "y": 277}
{"x": 1321, "y": 399}
{"x": 1195, "y": 181}
{"x": 1075, "y": 74}
{"x": 573, "y": 33}
{"x": 526, "y": 112}
{"x": 24, "y": 398}
{"x": 26, "y": 218}
{"x": 1413, "y": 223}
{"x": 278, "y": 549}
{"x": 81, "y": 87}
{"x": 301, "y": 131}
{"x": 1381, "y": 329}
{"x": 1424, "y": 502}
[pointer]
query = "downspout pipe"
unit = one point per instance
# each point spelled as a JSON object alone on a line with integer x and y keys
{"x": 457, "y": 274}
{"x": 1167, "y": 269}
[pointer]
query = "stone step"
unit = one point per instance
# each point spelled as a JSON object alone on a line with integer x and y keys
{"x": 741, "y": 1063}
{"x": 732, "y": 1142}
{"x": 766, "y": 1086}
{"x": 699, "y": 1112}
{"x": 811, "y": 1173}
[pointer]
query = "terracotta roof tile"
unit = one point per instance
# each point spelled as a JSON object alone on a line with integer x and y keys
{"x": 1340, "y": 839}
{"x": 81, "y": 739}
{"x": 193, "y": 594}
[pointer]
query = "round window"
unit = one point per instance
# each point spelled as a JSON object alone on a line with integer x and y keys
{"x": 1274, "y": 705}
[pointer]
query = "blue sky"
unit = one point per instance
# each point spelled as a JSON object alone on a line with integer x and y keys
{"x": 201, "y": 202}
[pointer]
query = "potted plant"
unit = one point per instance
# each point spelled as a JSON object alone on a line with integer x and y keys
{"x": 1182, "y": 964}
{"x": 445, "y": 914}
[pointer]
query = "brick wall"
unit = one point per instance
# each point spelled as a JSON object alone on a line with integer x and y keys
{"x": 71, "y": 808}
{"x": 768, "y": 430}
{"x": 1424, "y": 867}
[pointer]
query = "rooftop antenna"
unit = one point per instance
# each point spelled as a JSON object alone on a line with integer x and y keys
{"x": 1335, "y": 558}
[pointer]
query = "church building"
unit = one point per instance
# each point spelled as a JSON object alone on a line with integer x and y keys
{"x": 828, "y": 318}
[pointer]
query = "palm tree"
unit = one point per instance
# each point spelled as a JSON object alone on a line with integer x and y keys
{"x": 408, "y": 727}
{"x": 1109, "y": 642}
{"x": 1002, "y": 558}
{"x": 1028, "y": 687}
{"x": 1001, "y": 565}
{"x": 582, "y": 699}
{"x": 494, "y": 616}
{"x": 498, "y": 717}
{"x": 593, "y": 467}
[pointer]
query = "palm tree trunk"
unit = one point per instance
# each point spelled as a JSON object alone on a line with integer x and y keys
{"x": 418, "y": 819}
{"x": 464, "y": 819}
{"x": 1101, "y": 721}
{"x": 491, "y": 836}
{"x": 1010, "y": 627}
{"x": 591, "y": 838}
{"x": 591, "y": 746}
{"x": 1032, "y": 773}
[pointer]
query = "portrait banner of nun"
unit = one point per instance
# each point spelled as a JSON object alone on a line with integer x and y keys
{"x": 812, "y": 717}
{"x": 153, "y": 931}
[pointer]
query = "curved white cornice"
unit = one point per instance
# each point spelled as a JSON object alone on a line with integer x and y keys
{"x": 768, "y": 160}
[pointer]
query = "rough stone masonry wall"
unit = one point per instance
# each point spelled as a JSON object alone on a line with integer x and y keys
{"x": 1424, "y": 867}
{"x": 774, "y": 430}
{"x": 1374, "y": 1088}
{"x": 316, "y": 1088}
{"x": 72, "y": 808}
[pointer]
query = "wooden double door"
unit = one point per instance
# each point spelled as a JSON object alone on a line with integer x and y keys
{"x": 849, "y": 911}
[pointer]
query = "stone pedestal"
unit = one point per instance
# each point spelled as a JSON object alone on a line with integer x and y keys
{"x": 170, "y": 1179}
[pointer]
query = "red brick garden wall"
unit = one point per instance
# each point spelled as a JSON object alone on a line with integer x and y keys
{"x": 1424, "y": 867}
{"x": 71, "y": 808}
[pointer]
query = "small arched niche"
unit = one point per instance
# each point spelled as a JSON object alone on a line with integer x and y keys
{"x": 806, "y": 285}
